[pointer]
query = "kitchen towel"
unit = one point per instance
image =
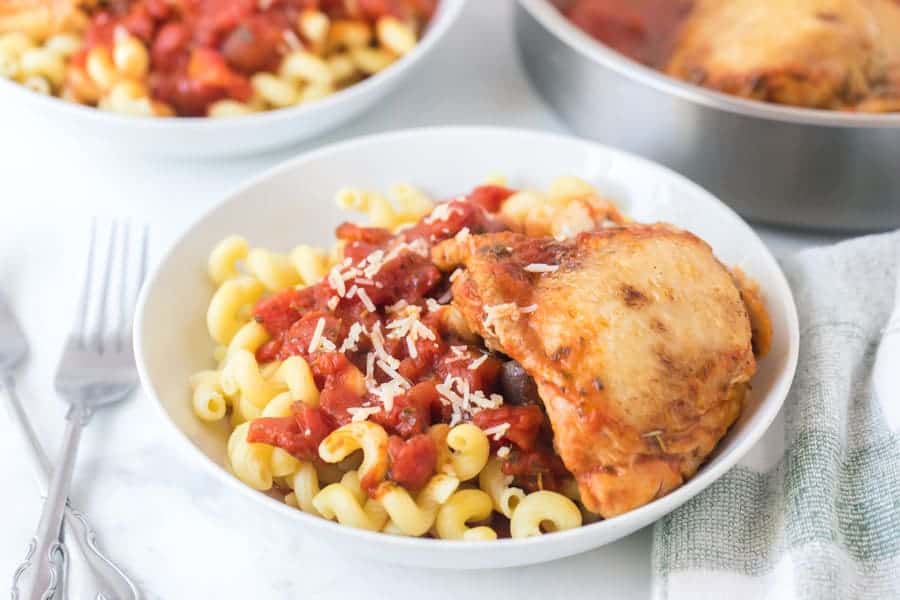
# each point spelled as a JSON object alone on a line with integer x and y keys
{"x": 813, "y": 511}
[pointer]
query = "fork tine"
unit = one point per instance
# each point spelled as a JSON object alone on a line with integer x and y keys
{"x": 104, "y": 291}
{"x": 123, "y": 288}
{"x": 81, "y": 319}
{"x": 145, "y": 241}
{"x": 132, "y": 290}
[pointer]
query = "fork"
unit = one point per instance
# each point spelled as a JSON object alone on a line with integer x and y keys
{"x": 101, "y": 574}
{"x": 97, "y": 368}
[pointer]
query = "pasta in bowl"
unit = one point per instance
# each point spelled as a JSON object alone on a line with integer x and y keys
{"x": 353, "y": 386}
{"x": 234, "y": 76}
{"x": 187, "y": 58}
{"x": 354, "y": 365}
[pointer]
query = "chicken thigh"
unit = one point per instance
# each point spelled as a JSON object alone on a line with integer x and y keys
{"x": 637, "y": 338}
{"x": 811, "y": 53}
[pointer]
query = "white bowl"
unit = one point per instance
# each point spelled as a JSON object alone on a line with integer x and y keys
{"x": 292, "y": 204}
{"x": 202, "y": 137}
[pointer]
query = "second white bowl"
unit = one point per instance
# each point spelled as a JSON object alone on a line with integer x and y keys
{"x": 203, "y": 137}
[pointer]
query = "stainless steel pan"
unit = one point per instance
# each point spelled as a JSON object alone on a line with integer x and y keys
{"x": 776, "y": 164}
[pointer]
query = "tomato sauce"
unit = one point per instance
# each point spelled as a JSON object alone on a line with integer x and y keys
{"x": 644, "y": 30}
{"x": 202, "y": 51}
{"x": 375, "y": 328}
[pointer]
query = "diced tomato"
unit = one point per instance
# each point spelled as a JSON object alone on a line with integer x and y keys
{"x": 159, "y": 9}
{"x": 645, "y": 30}
{"x": 411, "y": 414}
{"x": 220, "y": 16}
{"x": 100, "y": 33}
{"x": 335, "y": 400}
{"x": 409, "y": 276}
{"x": 412, "y": 461}
{"x": 300, "y": 435}
{"x": 329, "y": 364}
{"x": 490, "y": 197}
{"x": 279, "y": 311}
{"x": 139, "y": 22}
{"x": 269, "y": 351}
{"x": 253, "y": 45}
{"x": 170, "y": 46}
{"x": 351, "y": 232}
{"x": 459, "y": 214}
{"x": 188, "y": 96}
{"x": 484, "y": 377}
{"x": 536, "y": 469}
{"x": 373, "y": 9}
{"x": 425, "y": 8}
{"x": 402, "y": 9}
{"x": 300, "y": 334}
{"x": 208, "y": 67}
{"x": 524, "y": 423}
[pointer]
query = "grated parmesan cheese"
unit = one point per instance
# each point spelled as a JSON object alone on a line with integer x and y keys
{"x": 336, "y": 281}
{"x": 290, "y": 38}
{"x": 317, "y": 335}
{"x": 370, "y": 367}
{"x": 455, "y": 392}
{"x": 378, "y": 343}
{"x": 541, "y": 268}
{"x": 397, "y": 306}
{"x": 497, "y": 311}
{"x": 473, "y": 366}
{"x": 361, "y": 413}
{"x": 364, "y": 298}
{"x": 528, "y": 309}
{"x": 393, "y": 374}
{"x": 442, "y": 212}
{"x": 352, "y": 339}
{"x": 497, "y": 431}
{"x": 386, "y": 392}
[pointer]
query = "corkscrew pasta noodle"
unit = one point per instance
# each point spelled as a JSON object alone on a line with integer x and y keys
{"x": 464, "y": 506}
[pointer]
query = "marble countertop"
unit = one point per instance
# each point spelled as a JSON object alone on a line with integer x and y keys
{"x": 164, "y": 518}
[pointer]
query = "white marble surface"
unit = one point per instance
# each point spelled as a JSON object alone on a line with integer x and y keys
{"x": 168, "y": 522}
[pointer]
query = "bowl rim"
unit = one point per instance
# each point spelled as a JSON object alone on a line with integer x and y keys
{"x": 627, "y": 522}
{"x": 447, "y": 14}
{"x": 545, "y": 13}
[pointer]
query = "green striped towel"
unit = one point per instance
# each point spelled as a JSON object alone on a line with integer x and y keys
{"x": 813, "y": 511}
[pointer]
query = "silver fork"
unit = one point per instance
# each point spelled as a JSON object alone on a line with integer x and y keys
{"x": 101, "y": 575}
{"x": 96, "y": 369}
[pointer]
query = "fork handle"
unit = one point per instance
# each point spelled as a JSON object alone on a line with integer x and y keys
{"x": 39, "y": 576}
{"x": 104, "y": 578}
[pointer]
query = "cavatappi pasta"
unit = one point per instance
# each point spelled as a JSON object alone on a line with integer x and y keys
{"x": 355, "y": 390}
{"x": 193, "y": 58}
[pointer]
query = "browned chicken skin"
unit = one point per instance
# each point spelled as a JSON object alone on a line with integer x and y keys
{"x": 814, "y": 53}
{"x": 639, "y": 342}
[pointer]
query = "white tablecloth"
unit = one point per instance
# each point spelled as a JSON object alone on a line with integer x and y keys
{"x": 157, "y": 511}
